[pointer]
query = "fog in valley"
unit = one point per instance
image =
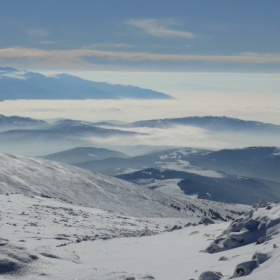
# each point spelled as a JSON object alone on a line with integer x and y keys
{"x": 245, "y": 96}
{"x": 139, "y": 140}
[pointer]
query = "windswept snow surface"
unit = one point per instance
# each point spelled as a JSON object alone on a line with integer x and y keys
{"x": 35, "y": 176}
{"x": 45, "y": 233}
{"x": 46, "y": 239}
{"x": 19, "y": 174}
{"x": 179, "y": 254}
{"x": 36, "y": 231}
{"x": 43, "y": 238}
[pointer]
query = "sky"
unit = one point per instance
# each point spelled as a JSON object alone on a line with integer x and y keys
{"x": 215, "y": 57}
{"x": 146, "y": 35}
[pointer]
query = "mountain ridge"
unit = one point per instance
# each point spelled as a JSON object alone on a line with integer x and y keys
{"x": 211, "y": 122}
{"x": 15, "y": 84}
{"x": 260, "y": 162}
{"x": 82, "y": 154}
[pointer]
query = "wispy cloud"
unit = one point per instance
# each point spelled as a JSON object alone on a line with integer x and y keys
{"x": 37, "y": 32}
{"x": 88, "y": 57}
{"x": 159, "y": 28}
{"x": 109, "y": 45}
{"x": 46, "y": 42}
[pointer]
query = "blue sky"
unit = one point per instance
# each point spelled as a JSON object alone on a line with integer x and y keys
{"x": 146, "y": 35}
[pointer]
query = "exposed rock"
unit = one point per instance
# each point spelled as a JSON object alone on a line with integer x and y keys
{"x": 261, "y": 257}
{"x": 176, "y": 227}
{"x": 210, "y": 275}
{"x": 257, "y": 225}
{"x": 245, "y": 268}
{"x": 206, "y": 221}
{"x": 223, "y": 258}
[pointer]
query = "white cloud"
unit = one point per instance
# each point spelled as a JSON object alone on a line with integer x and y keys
{"x": 159, "y": 28}
{"x": 109, "y": 45}
{"x": 83, "y": 56}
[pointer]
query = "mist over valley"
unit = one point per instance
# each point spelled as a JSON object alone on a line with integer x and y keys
{"x": 139, "y": 140}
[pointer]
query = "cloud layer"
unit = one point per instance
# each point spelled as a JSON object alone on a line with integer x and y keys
{"x": 87, "y": 58}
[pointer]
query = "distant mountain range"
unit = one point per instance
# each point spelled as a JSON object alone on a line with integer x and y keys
{"x": 38, "y": 137}
{"x": 34, "y": 137}
{"x": 259, "y": 162}
{"x": 203, "y": 172}
{"x": 15, "y": 122}
{"x": 16, "y": 84}
{"x": 252, "y": 162}
{"x": 213, "y": 123}
{"x": 82, "y": 154}
{"x": 115, "y": 165}
{"x": 229, "y": 188}
{"x": 234, "y": 176}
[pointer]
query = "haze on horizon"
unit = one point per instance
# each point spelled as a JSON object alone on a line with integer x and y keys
{"x": 245, "y": 96}
{"x": 131, "y": 200}
{"x": 217, "y": 58}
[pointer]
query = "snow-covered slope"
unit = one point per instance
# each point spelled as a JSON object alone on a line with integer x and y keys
{"x": 179, "y": 254}
{"x": 258, "y": 162}
{"x": 46, "y": 239}
{"x": 228, "y": 188}
{"x": 36, "y": 232}
{"x": 35, "y": 176}
{"x": 45, "y": 234}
